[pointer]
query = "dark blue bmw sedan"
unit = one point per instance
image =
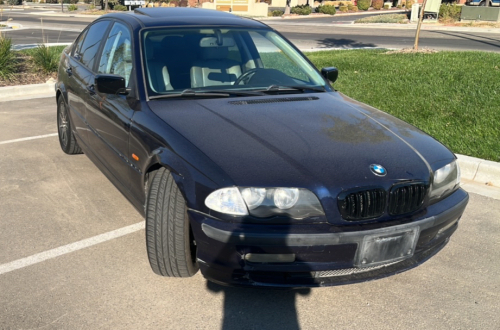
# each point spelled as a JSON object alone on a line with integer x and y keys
{"x": 245, "y": 162}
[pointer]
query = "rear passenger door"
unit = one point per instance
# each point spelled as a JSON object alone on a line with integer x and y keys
{"x": 109, "y": 115}
{"x": 81, "y": 75}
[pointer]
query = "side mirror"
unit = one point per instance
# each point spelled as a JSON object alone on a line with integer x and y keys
{"x": 110, "y": 84}
{"x": 330, "y": 73}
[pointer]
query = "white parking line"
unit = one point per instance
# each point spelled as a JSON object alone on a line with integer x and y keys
{"x": 28, "y": 138}
{"x": 50, "y": 254}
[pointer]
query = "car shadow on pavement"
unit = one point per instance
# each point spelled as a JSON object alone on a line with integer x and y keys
{"x": 255, "y": 308}
{"x": 342, "y": 43}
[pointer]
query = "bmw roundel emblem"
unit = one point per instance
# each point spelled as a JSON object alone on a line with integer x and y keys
{"x": 378, "y": 169}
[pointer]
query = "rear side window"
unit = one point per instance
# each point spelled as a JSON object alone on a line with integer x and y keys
{"x": 91, "y": 43}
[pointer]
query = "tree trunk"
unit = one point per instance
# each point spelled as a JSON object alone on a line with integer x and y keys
{"x": 287, "y": 9}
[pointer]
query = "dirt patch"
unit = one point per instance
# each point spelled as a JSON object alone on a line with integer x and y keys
{"x": 411, "y": 50}
{"x": 26, "y": 73}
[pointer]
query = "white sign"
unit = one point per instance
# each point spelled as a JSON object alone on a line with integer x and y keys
{"x": 134, "y": 3}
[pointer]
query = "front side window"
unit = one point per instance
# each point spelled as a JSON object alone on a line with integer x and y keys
{"x": 201, "y": 59}
{"x": 116, "y": 56}
{"x": 91, "y": 43}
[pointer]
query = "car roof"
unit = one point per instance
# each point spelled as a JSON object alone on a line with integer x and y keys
{"x": 183, "y": 16}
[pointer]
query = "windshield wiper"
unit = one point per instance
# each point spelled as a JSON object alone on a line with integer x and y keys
{"x": 278, "y": 88}
{"x": 191, "y": 93}
{"x": 208, "y": 93}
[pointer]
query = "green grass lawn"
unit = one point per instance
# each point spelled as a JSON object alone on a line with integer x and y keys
{"x": 453, "y": 96}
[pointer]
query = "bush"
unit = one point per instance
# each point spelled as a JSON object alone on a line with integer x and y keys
{"x": 328, "y": 10}
{"x": 72, "y": 7}
{"x": 120, "y": 8}
{"x": 377, "y": 4}
{"x": 276, "y": 13}
{"x": 408, "y": 4}
{"x": 14, "y": 2}
{"x": 343, "y": 9}
{"x": 353, "y": 8}
{"x": 450, "y": 12}
{"x": 301, "y": 10}
{"x": 8, "y": 64}
{"x": 45, "y": 58}
{"x": 387, "y": 6}
{"x": 364, "y": 4}
{"x": 350, "y": 6}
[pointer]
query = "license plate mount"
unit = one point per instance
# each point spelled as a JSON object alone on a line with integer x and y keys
{"x": 379, "y": 249}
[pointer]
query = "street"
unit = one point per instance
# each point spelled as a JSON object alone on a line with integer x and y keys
{"x": 72, "y": 256}
{"x": 321, "y": 32}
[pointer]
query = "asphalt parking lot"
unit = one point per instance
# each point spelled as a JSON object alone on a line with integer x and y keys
{"x": 72, "y": 256}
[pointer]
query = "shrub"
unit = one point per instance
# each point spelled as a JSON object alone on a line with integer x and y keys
{"x": 377, "y": 4}
{"x": 364, "y": 4}
{"x": 301, "y": 10}
{"x": 276, "y": 13}
{"x": 120, "y": 8}
{"x": 328, "y": 10}
{"x": 408, "y": 4}
{"x": 343, "y": 9}
{"x": 387, "y": 6}
{"x": 45, "y": 58}
{"x": 72, "y": 7}
{"x": 450, "y": 12}
{"x": 14, "y": 2}
{"x": 8, "y": 62}
{"x": 350, "y": 6}
{"x": 387, "y": 18}
{"x": 1, "y": 2}
{"x": 400, "y": 6}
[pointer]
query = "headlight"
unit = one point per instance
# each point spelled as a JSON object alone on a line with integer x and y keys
{"x": 227, "y": 200}
{"x": 296, "y": 203}
{"x": 446, "y": 180}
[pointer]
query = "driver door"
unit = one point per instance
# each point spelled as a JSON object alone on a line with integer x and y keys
{"x": 109, "y": 115}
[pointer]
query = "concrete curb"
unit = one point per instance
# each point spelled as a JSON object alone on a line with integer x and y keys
{"x": 472, "y": 169}
{"x": 13, "y": 93}
{"x": 479, "y": 170}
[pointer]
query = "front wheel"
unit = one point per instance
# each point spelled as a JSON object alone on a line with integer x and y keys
{"x": 169, "y": 240}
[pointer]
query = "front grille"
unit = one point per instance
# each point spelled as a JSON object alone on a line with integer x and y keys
{"x": 406, "y": 197}
{"x": 276, "y": 100}
{"x": 362, "y": 204}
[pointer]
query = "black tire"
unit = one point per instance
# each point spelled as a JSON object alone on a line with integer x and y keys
{"x": 169, "y": 239}
{"x": 66, "y": 138}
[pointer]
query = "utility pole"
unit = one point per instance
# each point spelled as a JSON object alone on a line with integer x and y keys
{"x": 421, "y": 18}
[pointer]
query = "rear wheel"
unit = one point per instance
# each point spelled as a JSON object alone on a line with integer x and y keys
{"x": 66, "y": 138}
{"x": 169, "y": 240}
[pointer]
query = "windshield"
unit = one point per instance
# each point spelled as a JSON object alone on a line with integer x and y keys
{"x": 234, "y": 61}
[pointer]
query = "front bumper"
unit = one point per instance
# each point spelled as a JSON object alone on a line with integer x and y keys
{"x": 315, "y": 255}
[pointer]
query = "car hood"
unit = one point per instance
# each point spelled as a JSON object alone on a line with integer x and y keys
{"x": 317, "y": 141}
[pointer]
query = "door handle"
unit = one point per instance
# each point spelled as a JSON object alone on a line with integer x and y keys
{"x": 69, "y": 71}
{"x": 90, "y": 89}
